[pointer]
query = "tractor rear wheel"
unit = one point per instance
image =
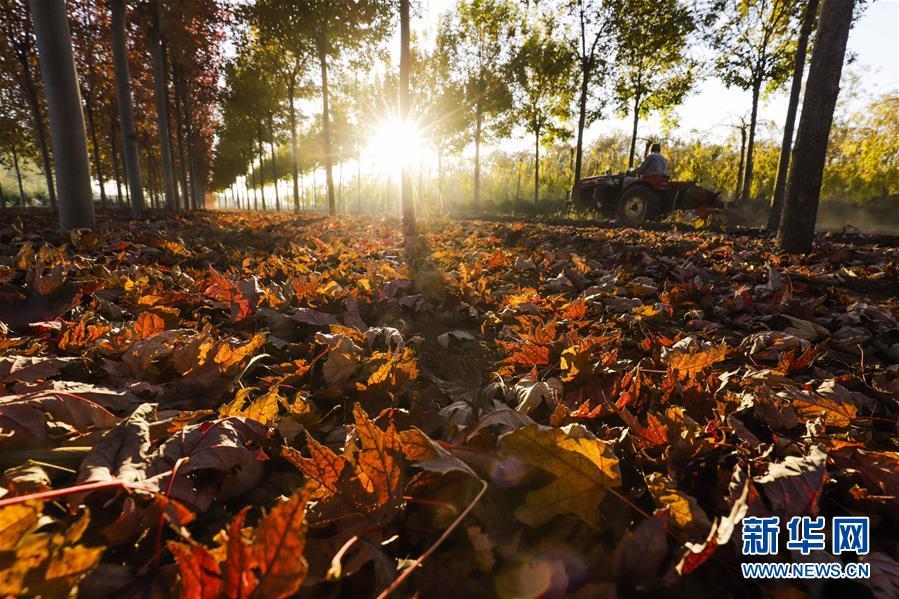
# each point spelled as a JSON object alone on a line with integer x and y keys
{"x": 637, "y": 204}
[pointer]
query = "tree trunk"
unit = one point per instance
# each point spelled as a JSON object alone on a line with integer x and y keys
{"x": 294, "y": 149}
{"x": 750, "y": 145}
{"x": 96, "y": 147}
{"x": 518, "y": 183}
{"x": 271, "y": 148}
{"x": 786, "y": 145}
{"x": 581, "y": 122}
{"x": 536, "y": 166}
{"x": 37, "y": 116}
{"x": 405, "y": 61}
{"x": 797, "y": 227}
{"x": 630, "y": 158}
{"x": 477, "y": 157}
{"x": 63, "y": 96}
{"x": 115, "y": 161}
{"x": 15, "y": 162}
{"x": 739, "y": 191}
{"x": 255, "y": 197}
{"x": 326, "y": 123}
{"x": 261, "y": 162}
{"x": 162, "y": 119}
{"x": 2, "y": 197}
{"x": 180, "y": 136}
{"x": 440, "y": 197}
{"x": 126, "y": 113}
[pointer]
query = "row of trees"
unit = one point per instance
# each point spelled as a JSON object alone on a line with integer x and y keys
{"x": 147, "y": 76}
{"x": 496, "y": 66}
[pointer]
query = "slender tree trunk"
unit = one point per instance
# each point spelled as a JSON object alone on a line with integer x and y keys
{"x": 630, "y": 158}
{"x": 255, "y": 197}
{"x": 536, "y": 166}
{"x": 581, "y": 122}
{"x": 405, "y": 62}
{"x": 162, "y": 118}
{"x": 359, "y": 182}
{"x": 750, "y": 146}
{"x": 440, "y": 180}
{"x": 518, "y": 183}
{"x": 15, "y": 162}
{"x": 180, "y": 136}
{"x": 196, "y": 183}
{"x": 797, "y": 228}
{"x": 96, "y": 147}
{"x": 126, "y": 113}
{"x": 477, "y": 157}
{"x": 786, "y": 145}
{"x": 271, "y": 148}
{"x": 63, "y": 96}
{"x": 739, "y": 192}
{"x": 115, "y": 161}
{"x": 294, "y": 149}
{"x": 37, "y": 116}
{"x": 2, "y": 197}
{"x": 261, "y": 162}
{"x": 326, "y": 124}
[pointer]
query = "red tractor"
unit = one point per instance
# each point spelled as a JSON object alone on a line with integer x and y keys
{"x": 634, "y": 199}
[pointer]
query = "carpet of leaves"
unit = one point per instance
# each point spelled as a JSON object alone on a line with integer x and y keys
{"x": 246, "y": 405}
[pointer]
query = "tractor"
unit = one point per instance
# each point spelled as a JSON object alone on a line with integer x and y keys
{"x": 635, "y": 199}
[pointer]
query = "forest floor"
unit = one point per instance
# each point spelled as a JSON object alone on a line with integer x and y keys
{"x": 245, "y": 404}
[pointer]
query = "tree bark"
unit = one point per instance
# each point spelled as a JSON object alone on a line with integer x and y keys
{"x": 294, "y": 149}
{"x": 630, "y": 158}
{"x": 162, "y": 118}
{"x": 115, "y": 161}
{"x": 271, "y": 148}
{"x": 739, "y": 191}
{"x": 261, "y": 162}
{"x": 405, "y": 62}
{"x": 37, "y": 116}
{"x": 326, "y": 124}
{"x": 63, "y": 96}
{"x": 536, "y": 166}
{"x": 581, "y": 122}
{"x": 15, "y": 162}
{"x": 786, "y": 145}
{"x": 797, "y": 228}
{"x": 126, "y": 112}
{"x": 180, "y": 136}
{"x": 750, "y": 145}
{"x": 477, "y": 157}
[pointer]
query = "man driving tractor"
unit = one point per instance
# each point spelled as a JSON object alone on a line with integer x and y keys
{"x": 643, "y": 193}
{"x": 654, "y": 164}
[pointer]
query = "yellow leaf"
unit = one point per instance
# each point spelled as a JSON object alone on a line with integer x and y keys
{"x": 685, "y": 513}
{"x": 585, "y": 468}
{"x": 16, "y": 520}
{"x": 691, "y": 364}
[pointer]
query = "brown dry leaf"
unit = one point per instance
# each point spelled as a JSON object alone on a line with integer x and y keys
{"x": 324, "y": 468}
{"x": 16, "y": 520}
{"x": 278, "y": 548}
{"x": 585, "y": 469}
{"x": 690, "y": 364}
{"x": 378, "y": 459}
{"x": 200, "y": 572}
{"x": 685, "y": 513}
{"x": 263, "y": 409}
{"x": 794, "y": 487}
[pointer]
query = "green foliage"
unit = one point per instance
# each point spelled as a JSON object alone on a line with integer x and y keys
{"x": 654, "y": 70}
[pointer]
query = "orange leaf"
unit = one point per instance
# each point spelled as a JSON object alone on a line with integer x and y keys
{"x": 377, "y": 461}
{"x": 200, "y": 573}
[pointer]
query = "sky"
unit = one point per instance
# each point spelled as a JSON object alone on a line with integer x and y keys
{"x": 712, "y": 109}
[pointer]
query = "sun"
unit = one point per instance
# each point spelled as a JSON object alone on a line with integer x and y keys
{"x": 394, "y": 144}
